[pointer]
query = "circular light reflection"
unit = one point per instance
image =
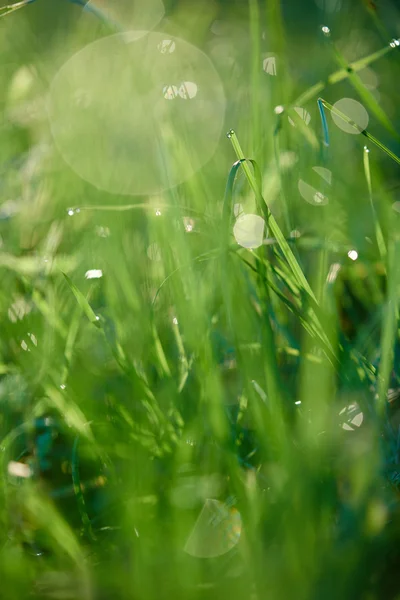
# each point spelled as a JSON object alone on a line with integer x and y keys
{"x": 216, "y": 531}
{"x": 354, "y": 111}
{"x": 131, "y": 119}
{"x": 269, "y": 64}
{"x": 249, "y": 231}
{"x": 353, "y": 417}
{"x": 312, "y": 194}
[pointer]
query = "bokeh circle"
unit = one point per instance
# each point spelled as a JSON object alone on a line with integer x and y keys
{"x": 136, "y": 113}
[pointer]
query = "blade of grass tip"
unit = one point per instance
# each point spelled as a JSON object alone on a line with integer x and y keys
{"x": 342, "y": 74}
{"x": 83, "y": 302}
{"x": 364, "y": 132}
{"x": 365, "y": 95}
{"x": 324, "y": 123}
{"x": 378, "y": 231}
{"x": 275, "y": 229}
{"x": 6, "y": 10}
{"x": 76, "y": 481}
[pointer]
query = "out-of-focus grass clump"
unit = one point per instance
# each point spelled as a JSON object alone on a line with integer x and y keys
{"x": 199, "y": 358}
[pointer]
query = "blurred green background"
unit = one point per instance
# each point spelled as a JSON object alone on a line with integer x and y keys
{"x": 199, "y": 362}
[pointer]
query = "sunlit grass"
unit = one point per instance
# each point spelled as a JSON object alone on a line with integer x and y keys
{"x": 199, "y": 388}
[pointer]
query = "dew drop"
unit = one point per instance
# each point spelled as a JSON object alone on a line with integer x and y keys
{"x": 71, "y": 212}
{"x": 326, "y": 31}
{"x": 230, "y": 133}
{"x": 394, "y": 43}
{"x": 175, "y": 321}
{"x": 62, "y": 386}
{"x": 352, "y": 254}
{"x": 158, "y": 212}
{"x": 278, "y": 110}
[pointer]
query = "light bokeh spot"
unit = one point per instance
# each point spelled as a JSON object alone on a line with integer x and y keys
{"x": 112, "y": 124}
{"x": 312, "y": 194}
{"x": 249, "y": 231}
{"x": 354, "y": 111}
{"x": 216, "y": 531}
{"x": 269, "y": 64}
{"x": 303, "y": 114}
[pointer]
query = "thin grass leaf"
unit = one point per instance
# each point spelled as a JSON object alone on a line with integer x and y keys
{"x": 364, "y": 132}
{"x": 366, "y": 96}
{"x": 275, "y": 229}
{"x": 83, "y": 303}
{"x": 378, "y": 231}
{"x": 77, "y": 485}
{"x": 340, "y": 75}
{"x": 6, "y": 10}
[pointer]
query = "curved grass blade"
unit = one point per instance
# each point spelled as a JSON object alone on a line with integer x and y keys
{"x": 275, "y": 229}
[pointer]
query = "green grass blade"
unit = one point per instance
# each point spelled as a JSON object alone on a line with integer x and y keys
{"x": 364, "y": 132}
{"x": 6, "y": 10}
{"x": 378, "y": 231}
{"x": 341, "y": 75}
{"x": 83, "y": 302}
{"x": 273, "y": 225}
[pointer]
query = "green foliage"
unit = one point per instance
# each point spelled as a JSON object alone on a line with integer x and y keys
{"x": 183, "y": 415}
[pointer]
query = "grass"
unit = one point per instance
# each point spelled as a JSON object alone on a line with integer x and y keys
{"x": 181, "y": 415}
